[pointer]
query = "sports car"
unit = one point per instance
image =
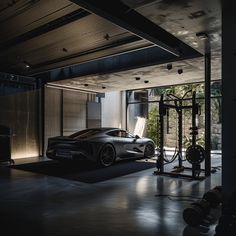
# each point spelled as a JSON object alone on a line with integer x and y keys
{"x": 101, "y": 145}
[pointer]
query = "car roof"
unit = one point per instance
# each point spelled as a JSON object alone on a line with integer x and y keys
{"x": 104, "y": 129}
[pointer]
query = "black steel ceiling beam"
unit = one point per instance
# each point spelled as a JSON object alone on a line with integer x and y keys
{"x": 121, "y": 15}
{"x": 55, "y": 24}
{"x": 16, "y": 78}
{"x": 126, "y": 61}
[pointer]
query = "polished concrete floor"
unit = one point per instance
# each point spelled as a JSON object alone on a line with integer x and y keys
{"x": 136, "y": 204}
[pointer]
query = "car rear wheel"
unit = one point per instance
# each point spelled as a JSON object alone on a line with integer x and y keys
{"x": 107, "y": 155}
{"x": 149, "y": 150}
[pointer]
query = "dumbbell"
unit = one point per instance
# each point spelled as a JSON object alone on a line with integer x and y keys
{"x": 214, "y": 196}
{"x": 196, "y": 212}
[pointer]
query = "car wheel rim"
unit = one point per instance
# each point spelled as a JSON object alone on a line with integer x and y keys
{"x": 149, "y": 150}
{"x": 107, "y": 156}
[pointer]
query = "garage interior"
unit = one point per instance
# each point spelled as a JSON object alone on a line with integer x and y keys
{"x": 70, "y": 65}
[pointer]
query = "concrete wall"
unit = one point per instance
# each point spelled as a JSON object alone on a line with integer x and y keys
{"x": 74, "y": 112}
{"x": 20, "y": 112}
{"x": 113, "y": 110}
{"x": 65, "y": 112}
{"x": 52, "y": 114}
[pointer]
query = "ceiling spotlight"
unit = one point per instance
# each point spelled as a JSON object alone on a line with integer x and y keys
{"x": 202, "y": 35}
{"x": 27, "y": 65}
{"x": 146, "y": 81}
{"x": 180, "y": 71}
{"x": 107, "y": 36}
{"x": 86, "y": 85}
{"x": 169, "y": 66}
{"x": 137, "y": 78}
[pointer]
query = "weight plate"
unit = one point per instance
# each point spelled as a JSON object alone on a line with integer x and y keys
{"x": 195, "y": 154}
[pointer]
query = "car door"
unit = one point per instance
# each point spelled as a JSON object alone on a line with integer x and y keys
{"x": 130, "y": 145}
{"x": 126, "y": 144}
{"x": 117, "y": 141}
{"x": 122, "y": 143}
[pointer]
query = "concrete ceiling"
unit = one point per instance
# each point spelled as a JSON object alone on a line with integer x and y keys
{"x": 145, "y": 77}
{"x": 39, "y": 36}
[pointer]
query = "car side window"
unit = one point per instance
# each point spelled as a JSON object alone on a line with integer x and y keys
{"x": 129, "y": 135}
{"x": 117, "y": 133}
{"x": 120, "y": 133}
{"x": 125, "y": 134}
{"x": 114, "y": 133}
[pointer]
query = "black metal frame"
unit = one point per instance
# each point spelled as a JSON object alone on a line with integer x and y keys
{"x": 208, "y": 113}
{"x": 163, "y": 107}
{"x": 120, "y": 14}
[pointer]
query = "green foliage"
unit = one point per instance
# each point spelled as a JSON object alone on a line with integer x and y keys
{"x": 216, "y": 88}
{"x": 216, "y": 102}
{"x": 180, "y": 91}
{"x": 188, "y": 140}
{"x": 153, "y": 125}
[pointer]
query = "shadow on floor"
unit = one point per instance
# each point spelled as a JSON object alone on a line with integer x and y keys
{"x": 85, "y": 171}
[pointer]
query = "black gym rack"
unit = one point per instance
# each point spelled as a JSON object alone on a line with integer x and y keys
{"x": 195, "y": 153}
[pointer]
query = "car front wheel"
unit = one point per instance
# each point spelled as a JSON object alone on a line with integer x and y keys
{"x": 149, "y": 150}
{"x": 107, "y": 155}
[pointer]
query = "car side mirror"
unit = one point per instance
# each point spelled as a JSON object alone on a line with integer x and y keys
{"x": 136, "y": 136}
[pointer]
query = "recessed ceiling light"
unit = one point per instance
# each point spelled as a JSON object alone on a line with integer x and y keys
{"x": 169, "y": 66}
{"x": 202, "y": 35}
{"x": 12, "y": 77}
{"x": 27, "y": 65}
{"x": 180, "y": 71}
{"x": 107, "y": 36}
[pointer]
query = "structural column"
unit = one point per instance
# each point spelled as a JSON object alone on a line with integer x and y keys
{"x": 208, "y": 112}
{"x": 228, "y": 97}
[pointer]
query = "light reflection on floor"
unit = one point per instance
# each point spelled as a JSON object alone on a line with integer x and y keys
{"x": 136, "y": 204}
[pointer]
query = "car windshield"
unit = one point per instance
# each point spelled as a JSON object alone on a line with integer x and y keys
{"x": 85, "y": 133}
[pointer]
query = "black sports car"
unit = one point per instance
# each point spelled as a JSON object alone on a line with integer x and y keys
{"x": 101, "y": 145}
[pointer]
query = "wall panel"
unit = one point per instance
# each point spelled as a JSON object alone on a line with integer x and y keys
{"x": 111, "y": 110}
{"x": 65, "y": 112}
{"x": 93, "y": 115}
{"x": 52, "y": 114}
{"x": 19, "y": 111}
{"x": 74, "y": 111}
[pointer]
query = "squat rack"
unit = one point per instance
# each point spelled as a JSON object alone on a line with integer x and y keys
{"x": 195, "y": 154}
